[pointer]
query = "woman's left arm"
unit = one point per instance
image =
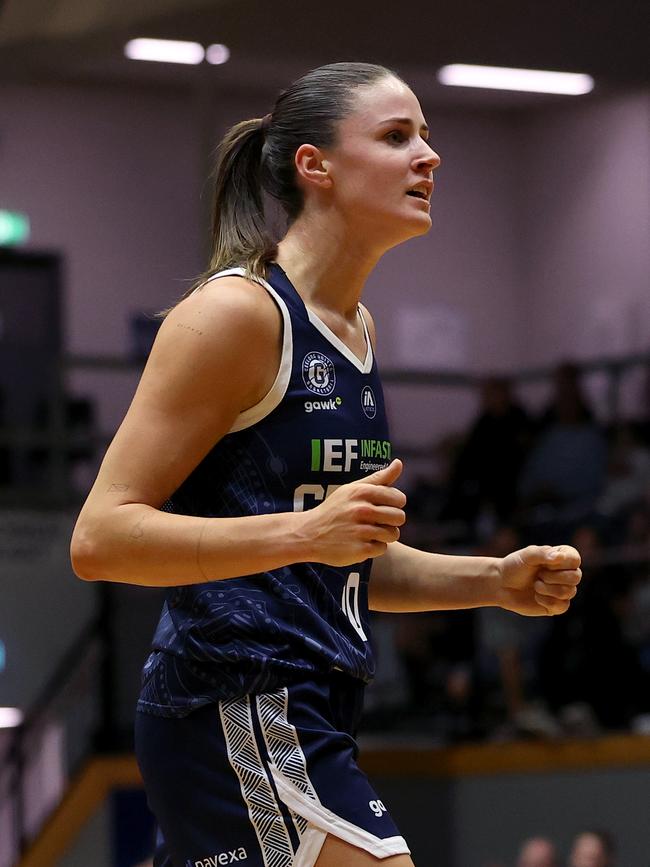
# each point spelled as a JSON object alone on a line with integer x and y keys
{"x": 537, "y": 580}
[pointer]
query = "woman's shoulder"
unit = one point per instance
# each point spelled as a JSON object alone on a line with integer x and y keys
{"x": 230, "y": 305}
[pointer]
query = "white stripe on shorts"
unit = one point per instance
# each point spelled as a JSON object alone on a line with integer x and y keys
{"x": 289, "y": 768}
{"x": 263, "y": 808}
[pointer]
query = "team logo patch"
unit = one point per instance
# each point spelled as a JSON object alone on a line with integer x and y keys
{"x": 368, "y": 402}
{"x": 318, "y": 373}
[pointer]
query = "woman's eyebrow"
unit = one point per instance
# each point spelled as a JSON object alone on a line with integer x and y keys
{"x": 406, "y": 121}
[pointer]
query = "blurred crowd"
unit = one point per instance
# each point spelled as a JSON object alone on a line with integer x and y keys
{"x": 589, "y": 848}
{"x": 511, "y": 480}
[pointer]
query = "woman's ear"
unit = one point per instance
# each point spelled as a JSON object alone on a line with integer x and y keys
{"x": 312, "y": 167}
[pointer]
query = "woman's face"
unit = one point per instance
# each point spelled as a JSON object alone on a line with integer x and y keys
{"x": 381, "y": 154}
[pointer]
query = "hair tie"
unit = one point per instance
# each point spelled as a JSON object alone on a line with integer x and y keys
{"x": 266, "y": 122}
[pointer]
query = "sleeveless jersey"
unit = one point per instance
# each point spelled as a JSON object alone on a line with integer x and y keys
{"x": 321, "y": 425}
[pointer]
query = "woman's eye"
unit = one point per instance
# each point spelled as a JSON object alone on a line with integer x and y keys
{"x": 396, "y": 135}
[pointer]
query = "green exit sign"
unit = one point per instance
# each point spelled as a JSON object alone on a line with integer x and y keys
{"x": 14, "y": 228}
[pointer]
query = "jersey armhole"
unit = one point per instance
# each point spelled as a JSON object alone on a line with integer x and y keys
{"x": 274, "y": 395}
{"x": 366, "y": 331}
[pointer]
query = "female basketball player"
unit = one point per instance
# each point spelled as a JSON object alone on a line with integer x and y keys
{"x": 253, "y": 476}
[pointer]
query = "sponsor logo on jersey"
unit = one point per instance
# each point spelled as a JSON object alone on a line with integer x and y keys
{"x": 368, "y": 402}
{"x": 315, "y": 405}
{"x": 232, "y": 856}
{"x": 341, "y": 455}
{"x": 318, "y": 373}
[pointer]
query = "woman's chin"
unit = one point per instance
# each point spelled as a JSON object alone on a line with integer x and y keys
{"x": 420, "y": 226}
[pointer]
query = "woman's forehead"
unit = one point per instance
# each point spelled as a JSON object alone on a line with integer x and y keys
{"x": 382, "y": 101}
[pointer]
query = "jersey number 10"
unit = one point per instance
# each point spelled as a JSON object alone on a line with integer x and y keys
{"x": 350, "y": 603}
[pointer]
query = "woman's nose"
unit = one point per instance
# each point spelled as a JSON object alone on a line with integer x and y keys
{"x": 430, "y": 158}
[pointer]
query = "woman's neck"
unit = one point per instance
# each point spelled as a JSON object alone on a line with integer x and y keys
{"x": 327, "y": 264}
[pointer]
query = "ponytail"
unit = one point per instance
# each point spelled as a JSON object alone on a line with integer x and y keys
{"x": 239, "y": 233}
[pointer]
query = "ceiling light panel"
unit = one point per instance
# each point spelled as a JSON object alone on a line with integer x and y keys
{"x": 504, "y": 78}
{"x": 165, "y": 51}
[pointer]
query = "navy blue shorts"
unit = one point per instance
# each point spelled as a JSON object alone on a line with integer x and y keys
{"x": 261, "y": 780}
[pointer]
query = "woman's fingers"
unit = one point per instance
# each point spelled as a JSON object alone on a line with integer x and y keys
{"x": 380, "y": 495}
{"x": 563, "y": 557}
{"x": 381, "y": 533}
{"x": 561, "y": 576}
{"x": 555, "y": 591}
{"x": 551, "y": 604}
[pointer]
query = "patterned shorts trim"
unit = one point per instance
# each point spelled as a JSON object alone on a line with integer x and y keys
{"x": 260, "y": 781}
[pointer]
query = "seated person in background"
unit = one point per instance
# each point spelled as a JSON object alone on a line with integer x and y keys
{"x": 566, "y": 468}
{"x": 628, "y": 479}
{"x": 567, "y": 390}
{"x": 486, "y": 469}
{"x": 592, "y": 849}
{"x": 508, "y": 651}
{"x": 590, "y": 674}
{"x": 436, "y": 653}
{"x": 537, "y": 852}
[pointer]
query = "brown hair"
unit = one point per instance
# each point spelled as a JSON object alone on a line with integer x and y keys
{"x": 258, "y": 155}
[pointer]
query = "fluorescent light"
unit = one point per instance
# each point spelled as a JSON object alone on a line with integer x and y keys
{"x": 10, "y": 717}
{"x": 217, "y": 54}
{"x": 503, "y": 78}
{"x": 164, "y": 51}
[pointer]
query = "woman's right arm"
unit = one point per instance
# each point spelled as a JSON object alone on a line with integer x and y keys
{"x": 216, "y": 354}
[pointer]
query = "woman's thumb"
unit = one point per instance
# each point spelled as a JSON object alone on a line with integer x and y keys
{"x": 388, "y": 476}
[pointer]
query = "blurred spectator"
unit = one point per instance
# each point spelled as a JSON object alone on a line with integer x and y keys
{"x": 508, "y": 646}
{"x": 628, "y": 475}
{"x": 79, "y": 420}
{"x": 428, "y": 493}
{"x": 565, "y": 470}
{"x": 567, "y": 392}
{"x": 437, "y": 655}
{"x": 592, "y": 849}
{"x": 537, "y": 852}
{"x": 5, "y": 474}
{"x": 637, "y": 531}
{"x": 587, "y": 665}
{"x": 486, "y": 470}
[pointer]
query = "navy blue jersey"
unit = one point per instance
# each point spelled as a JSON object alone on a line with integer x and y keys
{"x": 321, "y": 425}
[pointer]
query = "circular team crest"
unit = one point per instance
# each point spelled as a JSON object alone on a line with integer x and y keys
{"x": 318, "y": 373}
{"x": 368, "y": 402}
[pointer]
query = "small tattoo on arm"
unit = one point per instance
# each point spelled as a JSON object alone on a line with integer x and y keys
{"x": 120, "y": 488}
{"x": 188, "y": 328}
{"x": 137, "y": 532}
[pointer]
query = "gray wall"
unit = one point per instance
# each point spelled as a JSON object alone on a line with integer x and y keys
{"x": 42, "y": 607}
{"x": 482, "y": 820}
{"x": 94, "y": 843}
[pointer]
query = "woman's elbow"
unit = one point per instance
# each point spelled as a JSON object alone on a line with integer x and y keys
{"x": 84, "y": 555}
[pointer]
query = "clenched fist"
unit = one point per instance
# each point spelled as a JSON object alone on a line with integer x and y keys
{"x": 539, "y": 579}
{"x": 357, "y": 521}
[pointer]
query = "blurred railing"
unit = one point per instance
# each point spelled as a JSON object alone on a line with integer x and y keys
{"x": 58, "y": 440}
{"x": 57, "y": 736}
